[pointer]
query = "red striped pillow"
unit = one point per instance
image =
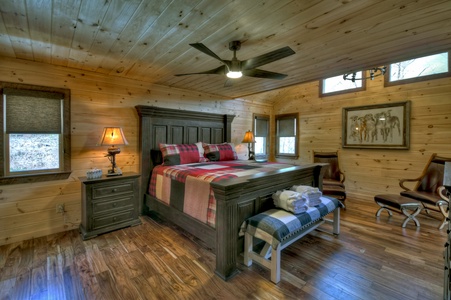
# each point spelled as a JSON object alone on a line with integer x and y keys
{"x": 179, "y": 154}
{"x": 220, "y": 152}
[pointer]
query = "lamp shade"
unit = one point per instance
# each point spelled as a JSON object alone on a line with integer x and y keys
{"x": 248, "y": 137}
{"x": 112, "y": 136}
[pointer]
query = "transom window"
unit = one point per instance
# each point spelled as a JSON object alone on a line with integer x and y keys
{"x": 338, "y": 85}
{"x": 418, "y": 69}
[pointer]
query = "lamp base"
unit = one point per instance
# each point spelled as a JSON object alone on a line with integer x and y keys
{"x": 115, "y": 172}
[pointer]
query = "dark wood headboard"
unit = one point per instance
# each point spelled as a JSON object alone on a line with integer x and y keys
{"x": 172, "y": 126}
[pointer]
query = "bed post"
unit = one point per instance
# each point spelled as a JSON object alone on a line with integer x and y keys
{"x": 228, "y": 128}
{"x": 227, "y": 197}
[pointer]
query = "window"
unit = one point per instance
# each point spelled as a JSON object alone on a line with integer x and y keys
{"x": 337, "y": 85}
{"x": 35, "y": 133}
{"x": 419, "y": 69}
{"x": 261, "y": 129}
{"x": 287, "y": 136}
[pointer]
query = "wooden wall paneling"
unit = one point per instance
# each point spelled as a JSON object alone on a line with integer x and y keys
{"x": 97, "y": 101}
{"x": 370, "y": 171}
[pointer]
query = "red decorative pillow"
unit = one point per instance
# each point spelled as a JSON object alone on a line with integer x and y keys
{"x": 220, "y": 152}
{"x": 179, "y": 154}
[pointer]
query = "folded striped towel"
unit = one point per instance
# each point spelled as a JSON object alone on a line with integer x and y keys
{"x": 290, "y": 201}
{"x": 312, "y": 195}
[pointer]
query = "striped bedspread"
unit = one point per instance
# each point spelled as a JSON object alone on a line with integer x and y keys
{"x": 187, "y": 187}
{"x": 276, "y": 225}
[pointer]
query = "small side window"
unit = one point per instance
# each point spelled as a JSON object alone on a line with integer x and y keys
{"x": 35, "y": 133}
{"x": 287, "y": 136}
{"x": 261, "y": 129}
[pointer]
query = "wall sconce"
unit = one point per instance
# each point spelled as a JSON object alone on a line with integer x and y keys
{"x": 113, "y": 137}
{"x": 249, "y": 139}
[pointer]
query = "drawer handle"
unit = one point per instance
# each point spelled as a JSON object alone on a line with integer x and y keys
{"x": 114, "y": 190}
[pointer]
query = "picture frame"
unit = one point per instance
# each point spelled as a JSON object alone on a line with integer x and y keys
{"x": 378, "y": 126}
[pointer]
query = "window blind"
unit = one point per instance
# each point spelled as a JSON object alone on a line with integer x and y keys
{"x": 261, "y": 127}
{"x": 287, "y": 127}
{"x": 30, "y": 111}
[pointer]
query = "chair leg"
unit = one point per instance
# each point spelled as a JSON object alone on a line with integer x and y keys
{"x": 443, "y": 210}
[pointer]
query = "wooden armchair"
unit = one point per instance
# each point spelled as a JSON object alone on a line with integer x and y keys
{"x": 429, "y": 187}
{"x": 333, "y": 180}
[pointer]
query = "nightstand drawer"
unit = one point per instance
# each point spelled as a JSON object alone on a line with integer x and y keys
{"x": 110, "y": 220}
{"x": 99, "y": 207}
{"x": 111, "y": 190}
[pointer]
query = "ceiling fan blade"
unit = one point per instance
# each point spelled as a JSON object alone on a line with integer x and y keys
{"x": 267, "y": 58}
{"x": 264, "y": 74}
{"x": 220, "y": 71}
{"x": 202, "y": 48}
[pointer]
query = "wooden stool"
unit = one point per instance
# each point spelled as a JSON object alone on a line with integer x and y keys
{"x": 407, "y": 206}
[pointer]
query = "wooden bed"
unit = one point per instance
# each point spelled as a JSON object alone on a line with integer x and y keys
{"x": 236, "y": 199}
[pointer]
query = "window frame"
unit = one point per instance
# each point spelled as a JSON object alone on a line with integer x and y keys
{"x": 279, "y": 117}
{"x": 268, "y": 141}
{"x": 347, "y": 91}
{"x": 65, "y": 142}
{"x": 388, "y": 83}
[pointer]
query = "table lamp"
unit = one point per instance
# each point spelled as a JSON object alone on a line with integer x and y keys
{"x": 113, "y": 137}
{"x": 249, "y": 139}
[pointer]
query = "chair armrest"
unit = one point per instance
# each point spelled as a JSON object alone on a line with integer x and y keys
{"x": 401, "y": 183}
{"x": 441, "y": 190}
{"x": 342, "y": 176}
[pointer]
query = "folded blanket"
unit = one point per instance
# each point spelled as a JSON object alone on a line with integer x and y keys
{"x": 312, "y": 195}
{"x": 290, "y": 201}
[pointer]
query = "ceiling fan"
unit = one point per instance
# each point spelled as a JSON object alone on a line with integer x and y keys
{"x": 235, "y": 68}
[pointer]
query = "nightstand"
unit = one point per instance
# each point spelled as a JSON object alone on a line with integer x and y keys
{"x": 109, "y": 203}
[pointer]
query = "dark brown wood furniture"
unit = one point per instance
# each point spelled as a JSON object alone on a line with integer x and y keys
{"x": 236, "y": 199}
{"x": 397, "y": 203}
{"x": 334, "y": 178}
{"x": 109, "y": 203}
{"x": 428, "y": 188}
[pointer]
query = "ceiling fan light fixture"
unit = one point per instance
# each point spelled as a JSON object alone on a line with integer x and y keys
{"x": 234, "y": 74}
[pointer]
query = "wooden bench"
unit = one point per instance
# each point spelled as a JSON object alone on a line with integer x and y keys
{"x": 279, "y": 229}
{"x": 400, "y": 204}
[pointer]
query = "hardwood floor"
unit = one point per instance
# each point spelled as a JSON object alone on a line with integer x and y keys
{"x": 371, "y": 259}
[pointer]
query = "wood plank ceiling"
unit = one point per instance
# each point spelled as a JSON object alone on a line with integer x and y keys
{"x": 149, "y": 40}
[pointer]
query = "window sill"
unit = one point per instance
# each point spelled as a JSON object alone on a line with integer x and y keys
{"x": 34, "y": 178}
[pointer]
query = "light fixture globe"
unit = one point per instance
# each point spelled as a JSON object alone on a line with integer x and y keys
{"x": 232, "y": 74}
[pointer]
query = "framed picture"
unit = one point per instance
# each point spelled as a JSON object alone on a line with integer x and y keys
{"x": 380, "y": 126}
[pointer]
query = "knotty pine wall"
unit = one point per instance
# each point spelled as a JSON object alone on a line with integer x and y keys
{"x": 368, "y": 171}
{"x": 29, "y": 210}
